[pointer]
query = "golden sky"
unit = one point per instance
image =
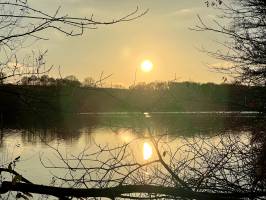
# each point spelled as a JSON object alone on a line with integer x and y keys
{"x": 162, "y": 36}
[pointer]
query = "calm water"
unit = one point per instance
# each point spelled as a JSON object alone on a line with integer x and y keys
{"x": 33, "y": 141}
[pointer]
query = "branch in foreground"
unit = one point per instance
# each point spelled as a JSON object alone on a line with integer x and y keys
{"x": 118, "y": 191}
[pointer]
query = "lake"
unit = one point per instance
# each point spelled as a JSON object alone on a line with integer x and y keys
{"x": 36, "y": 142}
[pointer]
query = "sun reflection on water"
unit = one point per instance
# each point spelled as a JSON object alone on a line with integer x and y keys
{"x": 147, "y": 151}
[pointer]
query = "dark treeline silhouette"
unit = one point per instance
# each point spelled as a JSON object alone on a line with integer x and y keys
{"x": 190, "y": 96}
{"x": 45, "y": 80}
{"x": 45, "y": 95}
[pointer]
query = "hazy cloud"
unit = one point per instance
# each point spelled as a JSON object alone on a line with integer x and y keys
{"x": 190, "y": 13}
{"x": 185, "y": 13}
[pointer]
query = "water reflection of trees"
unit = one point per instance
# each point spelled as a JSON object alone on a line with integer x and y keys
{"x": 45, "y": 129}
{"x": 204, "y": 166}
{"x": 183, "y": 124}
{"x": 69, "y": 128}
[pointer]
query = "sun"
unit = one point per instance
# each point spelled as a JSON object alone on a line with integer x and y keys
{"x": 146, "y": 66}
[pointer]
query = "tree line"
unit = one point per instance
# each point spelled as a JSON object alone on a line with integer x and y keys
{"x": 46, "y": 80}
{"x": 71, "y": 96}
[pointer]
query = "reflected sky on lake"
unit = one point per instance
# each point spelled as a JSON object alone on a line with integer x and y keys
{"x": 33, "y": 142}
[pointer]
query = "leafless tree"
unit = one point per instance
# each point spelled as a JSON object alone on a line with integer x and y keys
{"x": 21, "y": 25}
{"x": 243, "y": 24}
